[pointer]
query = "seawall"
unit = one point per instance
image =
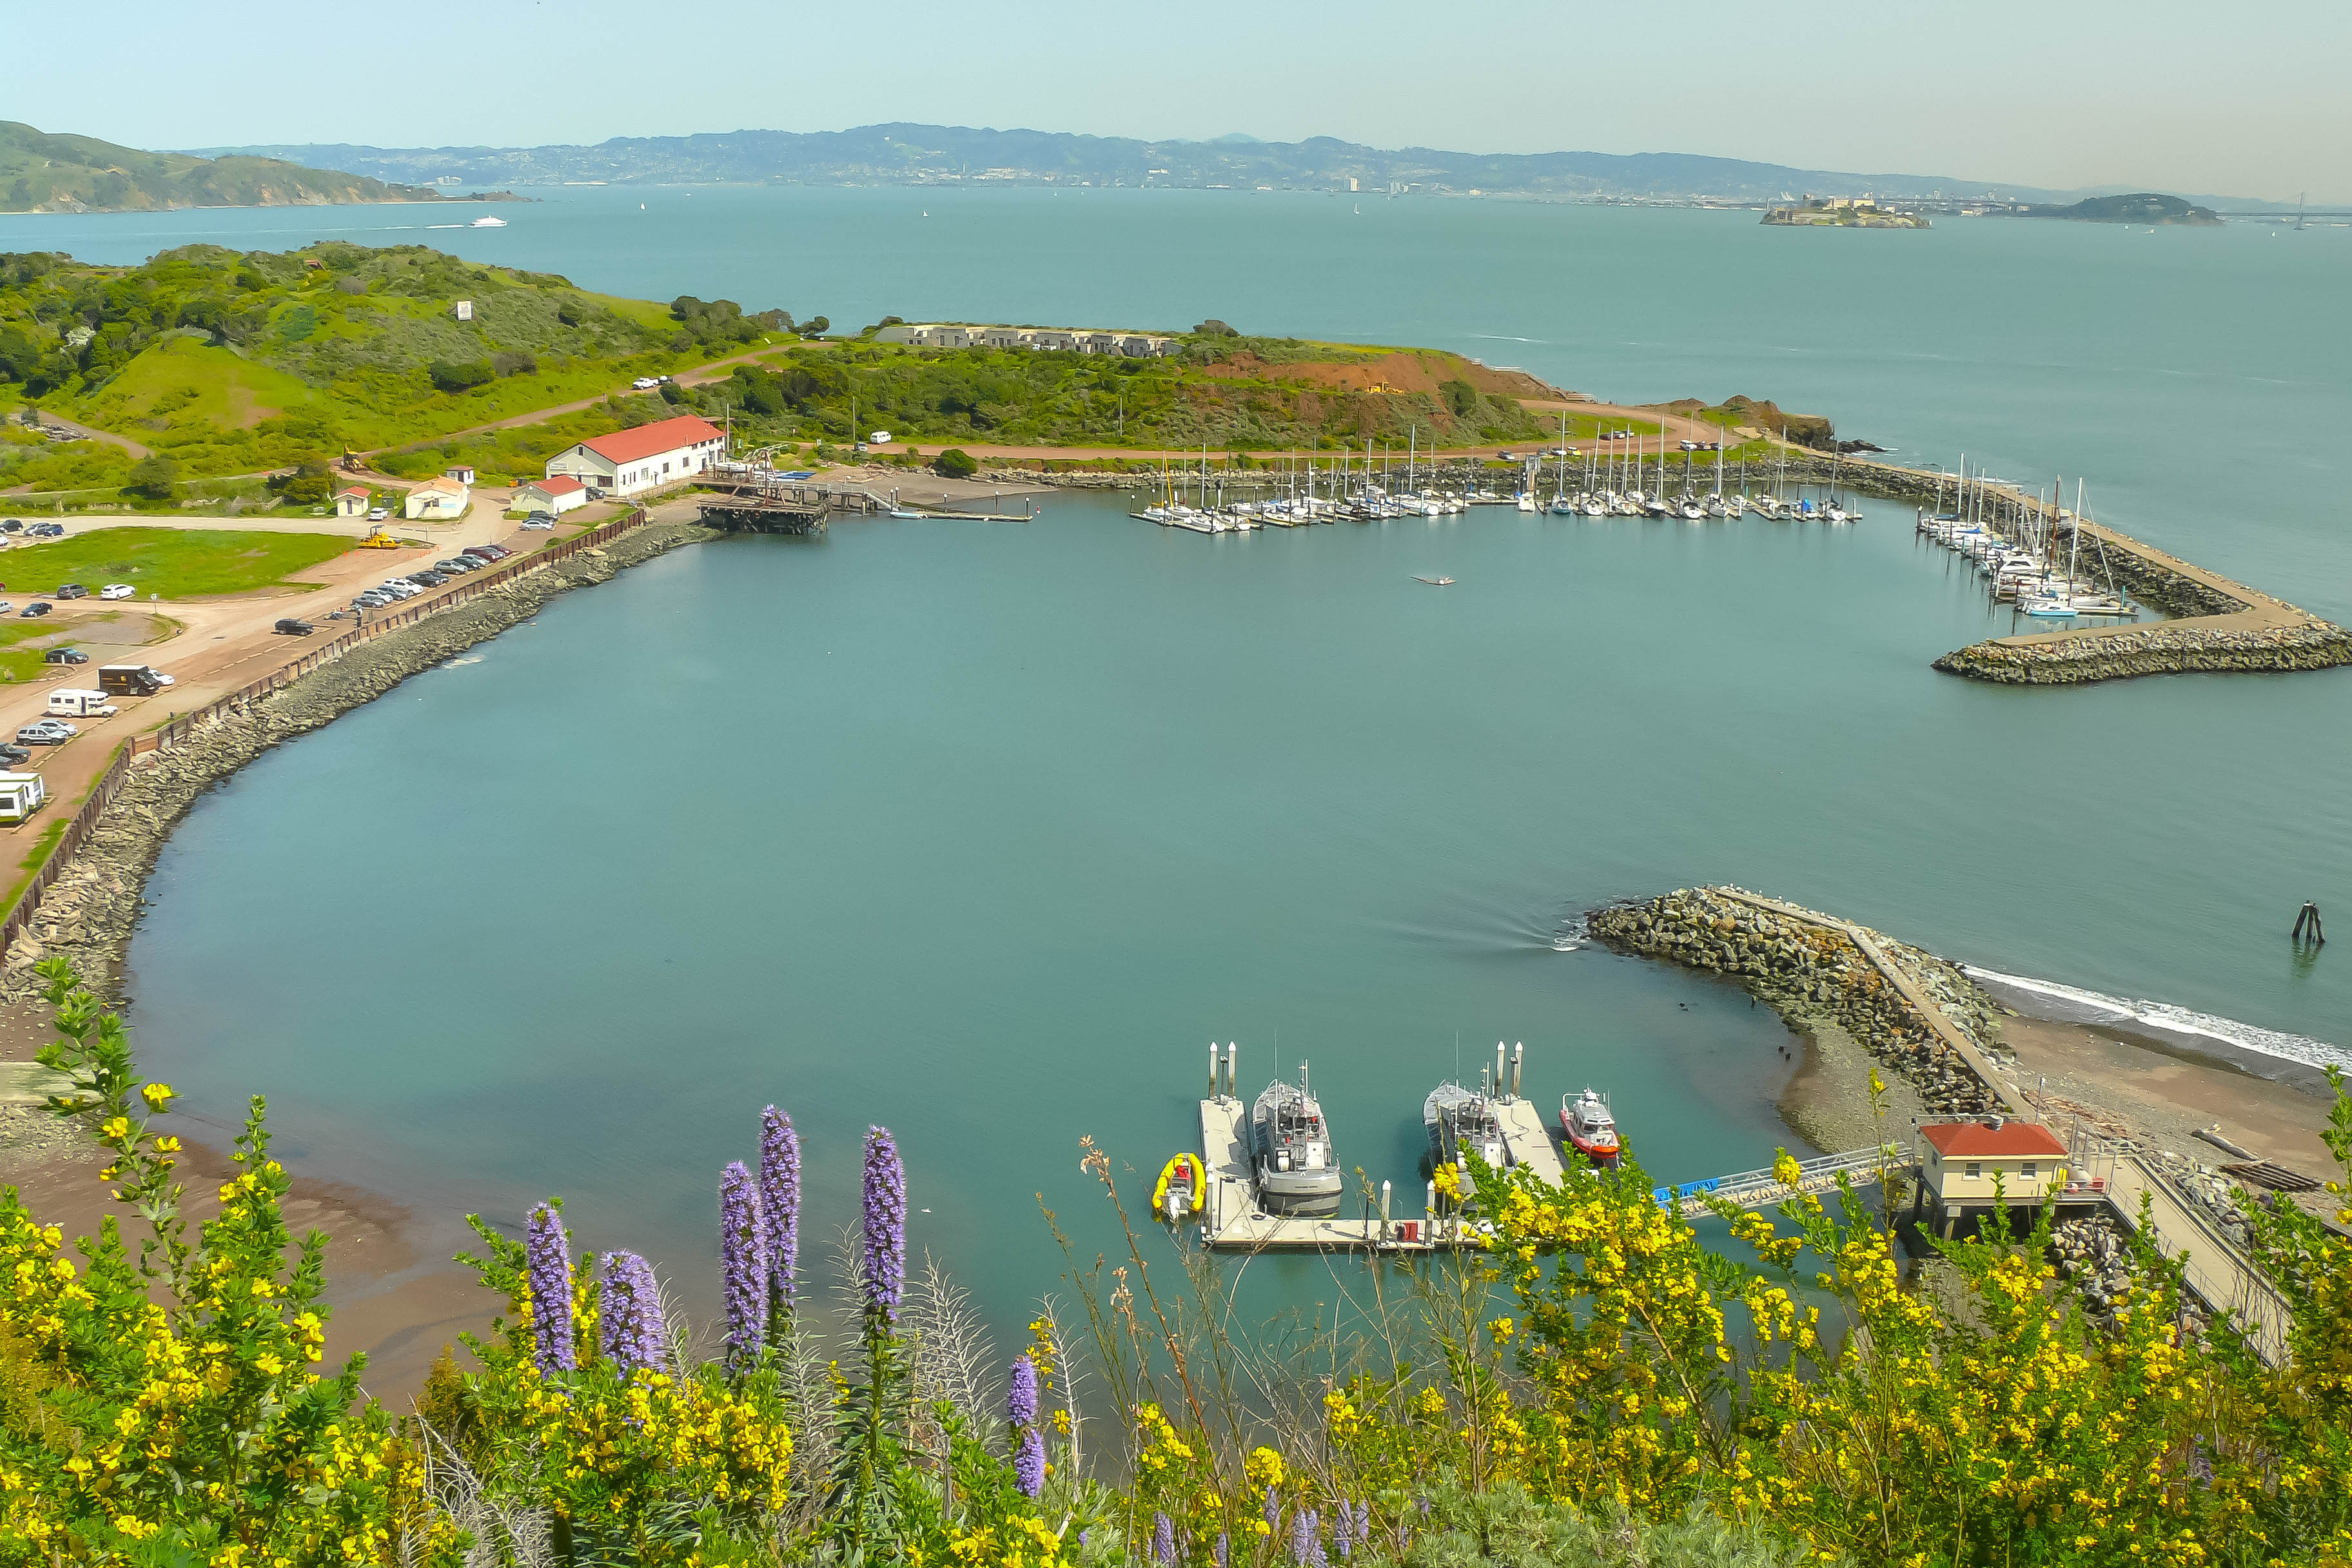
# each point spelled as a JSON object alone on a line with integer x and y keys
{"x": 88, "y": 909}
{"x": 1919, "y": 1017}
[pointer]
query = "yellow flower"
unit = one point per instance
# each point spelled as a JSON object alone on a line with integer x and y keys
{"x": 156, "y": 1094}
{"x": 1263, "y": 1467}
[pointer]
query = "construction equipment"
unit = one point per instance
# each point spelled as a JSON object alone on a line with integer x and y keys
{"x": 378, "y": 540}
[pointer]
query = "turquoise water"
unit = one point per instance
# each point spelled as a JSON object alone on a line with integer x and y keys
{"x": 984, "y": 831}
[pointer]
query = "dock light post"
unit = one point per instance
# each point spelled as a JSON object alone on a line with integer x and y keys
{"x": 1384, "y": 1213}
{"x": 1519, "y": 1065}
{"x": 1215, "y": 1089}
{"x": 1500, "y": 1081}
{"x": 1430, "y": 1211}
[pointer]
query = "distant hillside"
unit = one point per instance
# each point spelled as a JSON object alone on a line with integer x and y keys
{"x": 944, "y": 155}
{"x": 42, "y": 172}
{"x": 2141, "y": 206}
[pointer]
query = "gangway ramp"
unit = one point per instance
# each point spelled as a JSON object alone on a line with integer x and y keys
{"x": 1762, "y": 1189}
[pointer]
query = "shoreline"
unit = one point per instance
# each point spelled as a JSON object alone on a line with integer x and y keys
{"x": 395, "y": 1291}
{"x": 92, "y": 905}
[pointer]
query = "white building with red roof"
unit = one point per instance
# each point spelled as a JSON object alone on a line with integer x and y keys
{"x": 627, "y": 462}
{"x": 352, "y": 500}
{"x": 555, "y": 496}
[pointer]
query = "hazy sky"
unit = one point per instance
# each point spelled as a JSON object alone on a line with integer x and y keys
{"x": 2238, "y": 100}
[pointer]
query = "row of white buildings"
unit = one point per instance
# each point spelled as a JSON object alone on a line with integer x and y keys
{"x": 1076, "y": 340}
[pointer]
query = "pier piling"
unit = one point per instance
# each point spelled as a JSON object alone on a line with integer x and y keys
{"x": 2307, "y": 926}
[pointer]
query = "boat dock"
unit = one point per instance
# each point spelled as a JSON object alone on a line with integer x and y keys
{"x": 1231, "y": 1221}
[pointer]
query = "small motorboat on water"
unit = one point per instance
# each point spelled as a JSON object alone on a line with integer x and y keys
{"x": 1462, "y": 1122}
{"x": 1290, "y": 1152}
{"x": 1590, "y": 1130}
{"x": 487, "y": 223}
{"x": 1177, "y": 1196}
{"x": 1436, "y": 581}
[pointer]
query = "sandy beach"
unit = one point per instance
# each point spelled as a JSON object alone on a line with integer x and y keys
{"x": 390, "y": 1297}
{"x": 2124, "y": 1085}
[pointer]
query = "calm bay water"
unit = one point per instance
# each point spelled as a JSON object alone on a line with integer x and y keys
{"x": 984, "y": 831}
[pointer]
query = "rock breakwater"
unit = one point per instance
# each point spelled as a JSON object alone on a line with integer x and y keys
{"x": 1808, "y": 967}
{"x": 2168, "y": 648}
{"x": 89, "y": 910}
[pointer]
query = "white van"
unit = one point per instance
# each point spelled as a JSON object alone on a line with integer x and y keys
{"x": 79, "y": 703}
{"x": 21, "y": 795}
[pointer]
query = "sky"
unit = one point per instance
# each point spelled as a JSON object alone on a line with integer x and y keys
{"x": 2160, "y": 94}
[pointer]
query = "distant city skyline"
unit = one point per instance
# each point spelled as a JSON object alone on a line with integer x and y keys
{"x": 2154, "y": 95}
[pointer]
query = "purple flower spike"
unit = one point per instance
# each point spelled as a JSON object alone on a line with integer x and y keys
{"x": 743, "y": 1263}
{"x": 886, "y": 1226}
{"x": 1273, "y": 1509}
{"x": 1029, "y": 1463}
{"x": 1224, "y": 1549}
{"x": 780, "y": 1202}
{"x": 1306, "y": 1538}
{"x": 1163, "y": 1541}
{"x": 634, "y": 1333}
{"x": 1021, "y": 1399}
{"x": 548, "y": 1252}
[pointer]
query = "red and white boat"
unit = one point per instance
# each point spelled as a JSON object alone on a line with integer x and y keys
{"x": 1590, "y": 1130}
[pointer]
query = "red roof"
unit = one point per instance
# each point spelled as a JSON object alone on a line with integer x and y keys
{"x": 560, "y": 485}
{"x": 652, "y": 440}
{"x": 1974, "y": 1140}
{"x": 352, "y": 490}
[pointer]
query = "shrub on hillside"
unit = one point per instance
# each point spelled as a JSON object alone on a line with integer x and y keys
{"x": 954, "y": 463}
{"x": 152, "y": 478}
{"x": 461, "y": 375}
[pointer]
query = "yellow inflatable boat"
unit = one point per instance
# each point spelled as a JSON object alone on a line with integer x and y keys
{"x": 1177, "y": 1198}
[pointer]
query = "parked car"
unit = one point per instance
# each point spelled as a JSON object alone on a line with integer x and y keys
{"x": 645, "y": 384}
{"x": 116, "y": 591}
{"x": 45, "y": 530}
{"x": 399, "y": 590}
{"x": 15, "y": 755}
{"x": 381, "y": 514}
{"x": 488, "y": 551}
{"x": 1507, "y": 455}
{"x": 291, "y": 626}
{"x": 35, "y": 608}
{"x": 13, "y": 525}
{"x": 72, "y": 590}
{"x": 458, "y": 563}
{"x": 430, "y": 579}
{"x": 46, "y": 732}
{"x": 539, "y": 522}
{"x": 65, "y": 656}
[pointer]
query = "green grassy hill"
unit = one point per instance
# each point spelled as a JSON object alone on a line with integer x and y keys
{"x": 44, "y": 172}
{"x": 232, "y": 363}
{"x": 2143, "y": 207}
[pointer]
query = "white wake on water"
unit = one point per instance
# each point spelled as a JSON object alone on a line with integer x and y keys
{"x": 2073, "y": 1004}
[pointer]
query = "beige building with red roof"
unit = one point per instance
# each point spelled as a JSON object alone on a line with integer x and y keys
{"x": 1967, "y": 1168}
{"x": 627, "y": 462}
{"x": 555, "y": 496}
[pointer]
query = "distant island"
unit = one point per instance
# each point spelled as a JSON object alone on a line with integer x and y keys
{"x": 1841, "y": 212}
{"x": 2142, "y": 206}
{"x": 40, "y": 173}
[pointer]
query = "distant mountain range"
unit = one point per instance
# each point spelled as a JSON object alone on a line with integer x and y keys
{"x": 947, "y": 155}
{"x": 43, "y": 172}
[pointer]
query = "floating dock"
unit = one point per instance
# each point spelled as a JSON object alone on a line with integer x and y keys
{"x": 1230, "y": 1220}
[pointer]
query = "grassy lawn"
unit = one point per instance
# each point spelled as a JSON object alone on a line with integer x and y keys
{"x": 178, "y": 563}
